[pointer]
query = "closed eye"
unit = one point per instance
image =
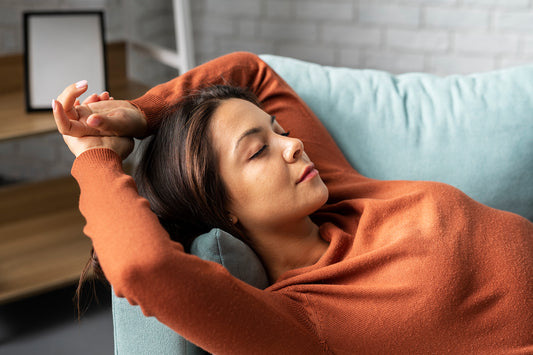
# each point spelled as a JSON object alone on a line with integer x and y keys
{"x": 264, "y": 147}
{"x": 259, "y": 152}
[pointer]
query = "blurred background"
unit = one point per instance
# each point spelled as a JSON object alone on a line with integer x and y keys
{"x": 442, "y": 37}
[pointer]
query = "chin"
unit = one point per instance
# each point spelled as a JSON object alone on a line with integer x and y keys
{"x": 321, "y": 198}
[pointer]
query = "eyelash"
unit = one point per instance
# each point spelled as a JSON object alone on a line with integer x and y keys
{"x": 263, "y": 148}
{"x": 259, "y": 152}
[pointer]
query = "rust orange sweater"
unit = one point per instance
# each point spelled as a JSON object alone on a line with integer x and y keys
{"x": 412, "y": 267}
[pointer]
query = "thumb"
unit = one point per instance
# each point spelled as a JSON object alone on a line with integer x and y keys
{"x": 108, "y": 124}
{"x": 95, "y": 121}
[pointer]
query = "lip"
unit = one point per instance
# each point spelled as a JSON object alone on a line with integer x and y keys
{"x": 308, "y": 173}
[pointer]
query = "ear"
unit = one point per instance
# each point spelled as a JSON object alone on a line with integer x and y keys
{"x": 233, "y": 218}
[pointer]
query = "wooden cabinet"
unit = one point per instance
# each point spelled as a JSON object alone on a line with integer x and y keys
{"x": 41, "y": 240}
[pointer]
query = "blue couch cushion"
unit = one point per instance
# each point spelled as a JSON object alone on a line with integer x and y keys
{"x": 221, "y": 247}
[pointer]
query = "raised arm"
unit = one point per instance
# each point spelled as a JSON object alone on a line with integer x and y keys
{"x": 277, "y": 97}
{"x": 140, "y": 117}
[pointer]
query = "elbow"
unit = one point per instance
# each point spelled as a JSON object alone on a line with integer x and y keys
{"x": 134, "y": 281}
{"x": 245, "y": 59}
{"x": 244, "y": 56}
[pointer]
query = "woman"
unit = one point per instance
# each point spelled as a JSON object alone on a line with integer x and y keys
{"x": 380, "y": 267}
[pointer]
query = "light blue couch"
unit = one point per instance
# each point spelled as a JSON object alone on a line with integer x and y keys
{"x": 474, "y": 132}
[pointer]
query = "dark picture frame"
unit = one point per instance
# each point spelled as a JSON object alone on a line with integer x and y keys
{"x": 61, "y": 48}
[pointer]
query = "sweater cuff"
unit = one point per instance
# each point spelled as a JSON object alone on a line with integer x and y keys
{"x": 153, "y": 107}
{"x": 98, "y": 158}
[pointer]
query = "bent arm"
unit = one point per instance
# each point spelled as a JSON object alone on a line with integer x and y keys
{"x": 277, "y": 97}
{"x": 196, "y": 298}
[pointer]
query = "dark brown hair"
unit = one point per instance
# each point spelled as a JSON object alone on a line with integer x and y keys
{"x": 178, "y": 171}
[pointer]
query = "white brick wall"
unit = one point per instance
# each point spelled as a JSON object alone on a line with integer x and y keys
{"x": 437, "y": 36}
{"x": 342, "y": 35}
{"x": 483, "y": 43}
{"x": 273, "y": 30}
{"x": 234, "y": 8}
{"x": 454, "y": 19}
{"x": 422, "y": 40}
{"x": 395, "y": 35}
{"x": 323, "y": 10}
{"x": 386, "y": 14}
{"x": 499, "y": 3}
{"x": 516, "y": 21}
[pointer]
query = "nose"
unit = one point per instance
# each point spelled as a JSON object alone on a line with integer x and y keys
{"x": 294, "y": 149}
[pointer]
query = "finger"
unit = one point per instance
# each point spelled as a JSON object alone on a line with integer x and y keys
{"x": 65, "y": 125}
{"x": 104, "y": 96}
{"x": 60, "y": 117}
{"x": 69, "y": 95}
{"x": 91, "y": 99}
{"x": 77, "y": 103}
{"x": 112, "y": 123}
{"x": 95, "y": 121}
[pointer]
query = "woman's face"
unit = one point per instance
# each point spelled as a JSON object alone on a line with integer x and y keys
{"x": 270, "y": 179}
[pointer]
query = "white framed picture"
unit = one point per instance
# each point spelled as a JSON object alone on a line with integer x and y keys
{"x": 61, "y": 48}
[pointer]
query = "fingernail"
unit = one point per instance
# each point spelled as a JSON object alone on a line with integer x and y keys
{"x": 54, "y": 104}
{"x": 81, "y": 83}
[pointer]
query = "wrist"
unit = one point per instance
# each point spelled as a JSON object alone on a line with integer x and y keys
{"x": 152, "y": 108}
{"x": 92, "y": 160}
{"x": 98, "y": 154}
{"x": 89, "y": 149}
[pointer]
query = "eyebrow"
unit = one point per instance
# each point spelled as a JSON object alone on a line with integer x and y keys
{"x": 253, "y": 131}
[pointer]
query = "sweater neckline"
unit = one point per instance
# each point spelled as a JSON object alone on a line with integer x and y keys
{"x": 333, "y": 254}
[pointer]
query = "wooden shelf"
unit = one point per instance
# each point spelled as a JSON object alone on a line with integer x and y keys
{"x": 16, "y": 123}
{"x": 42, "y": 246}
{"x": 41, "y": 241}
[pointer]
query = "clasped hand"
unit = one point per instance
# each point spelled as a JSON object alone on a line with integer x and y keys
{"x": 98, "y": 122}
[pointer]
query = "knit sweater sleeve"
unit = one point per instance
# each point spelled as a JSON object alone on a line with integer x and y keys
{"x": 198, "y": 299}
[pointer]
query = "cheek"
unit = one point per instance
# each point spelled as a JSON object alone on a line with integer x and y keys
{"x": 258, "y": 188}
